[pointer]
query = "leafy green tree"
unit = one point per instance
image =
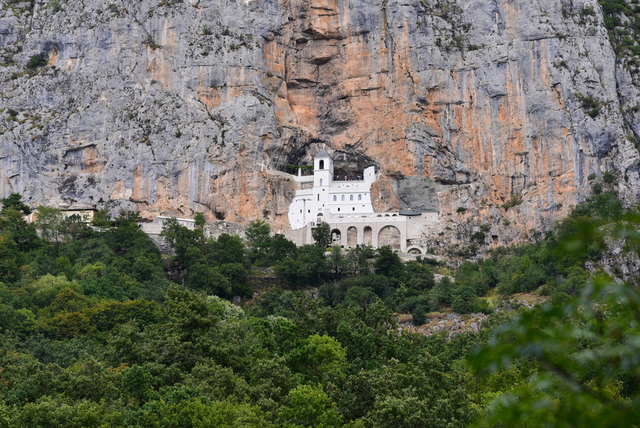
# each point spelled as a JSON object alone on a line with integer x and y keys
{"x": 54, "y": 413}
{"x": 128, "y": 241}
{"x": 583, "y": 349}
{"x": 89, "y": 251}
{"x": 20, "y": 321}
{"x": 237, "y": 275}
{"x": 418, "y": 276}
{"x": 258, "y": 237}
{"x": 10, "y": 260}
{"x": 101, "y": 218}
{"x": 136, "y": 381}
{"x": 322, "y": 235}
{"x": 215, "y": 380}
{"x": 200, "y": 221}
{"x": 13, "y": 224}
{"x": 463, "y": 299}
{"x": 63, "y": 265}
{"x": 388, "y": 263}
{"x": 473, "y": 275}
{"x": 586, "y": 352}
{"x": 418, "y": 315}
{"x": 421, "y": 301}
{"x": 360, "y": 296}
{"x": 146, "y": 267}
{"x": 200, "y": 412}
{"x": 74, "y": 227}
{"x": 418, "y": 393}
{"x": 226, "y": 249}
{"x": 14, "y": 201}
{"x": 108, "y": 314}
{"x": 57, "y": 228}
{"x": 290, "y": 271}
{"x": 65, "y": 325}
{"x": 322, "y": 357}
{"x": 180, "y": 238}
{"x": 378, "y": 283}
{"x": 208, "y": 279}
{"x": 5, "y": 416}
{"x": 358, "y": 259}
{"x": 128, "y": 218}
{"x": 310, "y": 267}
{"x": 315, "y": 267}
{"x": 67, "y": 300}
{"x": 49, "y": 223}
{"x": 310, "y": 406}
{"x": 522, "y": 275}
{"x": 440, "y": 294}
{"x": 337, "y": 261}
{"x": 281, "y": 248}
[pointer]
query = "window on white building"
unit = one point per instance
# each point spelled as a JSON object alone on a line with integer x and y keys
{"x": 335, "y": 198}
{"x": 321, "y": 164}
{"x": 318, "y": 196}
{"x": 359, "y": 197}
{"x": 351, "y": 197}
{"x": 343, "y": 197}
{"x": 321, "y": 181}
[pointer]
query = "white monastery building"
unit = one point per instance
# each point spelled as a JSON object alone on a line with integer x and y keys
{"x": 345, "y": 203}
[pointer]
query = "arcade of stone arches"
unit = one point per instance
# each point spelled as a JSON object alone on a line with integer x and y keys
{"x": 374, "y": 235}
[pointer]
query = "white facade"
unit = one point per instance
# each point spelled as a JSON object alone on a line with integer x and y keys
{"x": 345, "y": 204}
{"x": 330, "y": 195}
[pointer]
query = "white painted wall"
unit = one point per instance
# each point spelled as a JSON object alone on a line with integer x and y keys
{"x": 330, "y": 197}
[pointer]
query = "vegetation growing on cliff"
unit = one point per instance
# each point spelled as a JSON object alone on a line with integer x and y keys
{"x": 622, "y": 20}
{"x": 97, "y": 328}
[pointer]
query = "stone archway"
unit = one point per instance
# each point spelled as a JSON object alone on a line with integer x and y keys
{"x": 336, "y": 236}
{"x": 414, "y": 250}
{"x": 352, "y": 236}
{"x": 368, "y": 236}
{"x": 389, "y": 235}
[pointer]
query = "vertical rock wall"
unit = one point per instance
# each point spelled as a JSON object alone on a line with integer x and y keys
{"x": 174, "y": 106}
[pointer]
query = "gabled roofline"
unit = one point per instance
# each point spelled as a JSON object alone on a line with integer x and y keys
{"x": 323, "y": 154}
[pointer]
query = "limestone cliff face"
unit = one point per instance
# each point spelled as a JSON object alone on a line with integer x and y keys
{"x": 466, "y": 106}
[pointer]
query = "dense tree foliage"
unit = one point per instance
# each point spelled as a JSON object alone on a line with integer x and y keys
{"x": 98, "y": 328}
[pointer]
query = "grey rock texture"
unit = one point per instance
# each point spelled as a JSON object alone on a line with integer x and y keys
{"x": 174, "y": 106}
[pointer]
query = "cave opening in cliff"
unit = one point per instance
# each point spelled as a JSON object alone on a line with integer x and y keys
{"x": 297, "y": 157}
{"x": 350, "y": 163}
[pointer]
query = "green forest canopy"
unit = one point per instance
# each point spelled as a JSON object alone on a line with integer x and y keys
{"x": 98, "y": 328}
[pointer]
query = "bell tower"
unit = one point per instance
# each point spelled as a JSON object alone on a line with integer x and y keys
{"x": 322, "y": 179}
{"x": 322, "y": 169}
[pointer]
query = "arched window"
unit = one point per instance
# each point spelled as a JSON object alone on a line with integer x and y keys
{"x": 321, "y": 164}
{"x": 335, "y": 198}
{"x": 359, "y": 197}
{"x": 351, "y": 197}
{"x": 342, "y": 197}
{"x": 321, "y": 181}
